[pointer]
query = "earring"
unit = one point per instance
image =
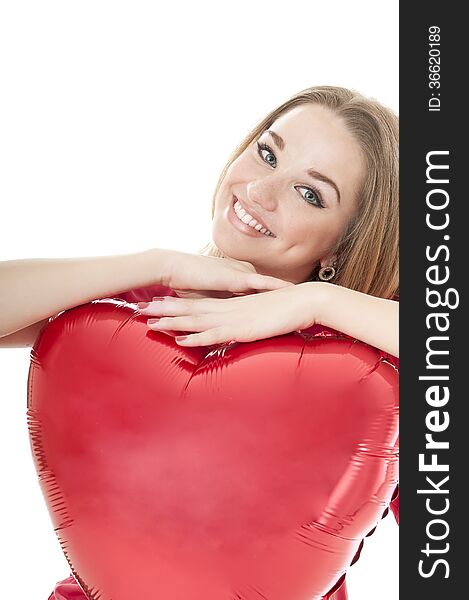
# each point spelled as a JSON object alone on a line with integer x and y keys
{"x": 326, "y": 273}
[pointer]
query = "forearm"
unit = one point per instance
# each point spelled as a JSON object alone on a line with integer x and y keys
{"x": 368, "y": 318}
{"x": 35, "y": 289}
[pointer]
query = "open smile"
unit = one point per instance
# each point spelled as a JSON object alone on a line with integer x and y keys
{"x": 244, "y": 221}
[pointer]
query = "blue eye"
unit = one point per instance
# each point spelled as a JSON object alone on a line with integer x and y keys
{"x": 264, "y": 148}
{"x": 311, "y": 196}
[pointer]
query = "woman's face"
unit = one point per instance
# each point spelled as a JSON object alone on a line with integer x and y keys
{"x": 288, "y": 197}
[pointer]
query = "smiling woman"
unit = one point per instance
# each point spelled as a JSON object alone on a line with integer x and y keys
{"x": 305, "y": 212}
{"x": 297, "y": 202}
{"x": 321, "y": 173}
{"x": 311, "y": 193}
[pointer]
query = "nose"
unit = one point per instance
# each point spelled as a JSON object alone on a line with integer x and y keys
{"x": 262, "y": 192}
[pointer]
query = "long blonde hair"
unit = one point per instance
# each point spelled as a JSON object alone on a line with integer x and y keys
{"x": 368, "y": 251}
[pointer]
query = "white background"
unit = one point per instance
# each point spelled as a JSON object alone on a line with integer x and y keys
{"x": 116, "y": 119}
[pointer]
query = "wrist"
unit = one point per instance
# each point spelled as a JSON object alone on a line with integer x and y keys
{"x": 318, "y": 296}
{"x": 157, "y": 265}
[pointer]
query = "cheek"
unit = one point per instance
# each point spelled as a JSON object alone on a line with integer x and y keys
{"x": 242, "y": 169}
{"x": 311, "y": 234}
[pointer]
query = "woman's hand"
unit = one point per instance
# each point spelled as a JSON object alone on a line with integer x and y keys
{"x": 190, "y": 274}
{"x": 208, "y": 321}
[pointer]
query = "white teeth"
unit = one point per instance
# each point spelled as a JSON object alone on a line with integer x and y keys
{"x": 249, "y": 220}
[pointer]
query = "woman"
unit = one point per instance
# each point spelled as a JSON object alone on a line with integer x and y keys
{"x": 339, "y": 223}
{"x": 308, "y": 199}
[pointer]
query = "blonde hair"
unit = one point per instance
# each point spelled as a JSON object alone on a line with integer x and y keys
{"x": 368, "y": 251}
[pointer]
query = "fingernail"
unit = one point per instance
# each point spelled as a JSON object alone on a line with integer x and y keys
{"x": 171, "y": 334}
{"x": 181, "y": 338}
{"x": 156, "y": 298}
{"x": 152, "y": 321}
{"x": 143, "y": 304}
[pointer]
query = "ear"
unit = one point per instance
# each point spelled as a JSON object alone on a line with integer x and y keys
{"x": 328, "y": 261}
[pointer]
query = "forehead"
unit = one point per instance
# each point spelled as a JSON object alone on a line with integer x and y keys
{"x": 319, "y": 138}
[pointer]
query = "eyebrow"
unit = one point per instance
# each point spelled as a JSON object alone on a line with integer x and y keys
{"x": 279, "y": 142}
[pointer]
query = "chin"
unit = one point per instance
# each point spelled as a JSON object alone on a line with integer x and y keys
{"x": 227, "y": 246}
{"x": 233, "y": 245}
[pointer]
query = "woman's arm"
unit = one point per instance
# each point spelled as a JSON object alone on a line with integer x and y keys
{"x": 368, "y": 318}
{"x": 32, "y": 290}
{"x": 258, "y": 316}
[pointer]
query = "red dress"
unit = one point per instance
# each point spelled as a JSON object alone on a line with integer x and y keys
{"x": 69, "y": 589}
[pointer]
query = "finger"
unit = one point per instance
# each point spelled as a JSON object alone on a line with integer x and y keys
{"x": 265, "y": 282}
{"x": 190, "y": 294}
{"x": 205, "y": 338}
{"x": 163, "y": 308}
{"x": 181, "y": 293}
{"x": 194, "y": 306}
{"x": 192, "y": 323}
{"x": 203, "y": 294}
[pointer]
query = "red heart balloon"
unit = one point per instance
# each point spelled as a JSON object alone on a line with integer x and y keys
{"x": 250, "y": 471}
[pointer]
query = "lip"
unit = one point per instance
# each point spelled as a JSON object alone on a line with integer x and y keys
{"x": 232, "y": 217}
